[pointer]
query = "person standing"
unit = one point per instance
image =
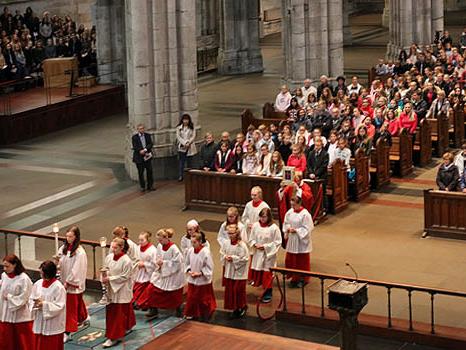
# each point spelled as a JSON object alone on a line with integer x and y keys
{"x": 185, "y": 136}
{"x": 48, "y": 300}
{"x": 253, "y": 208}
{"x": 142, "y": 156}
{"x": 119, "y": 314}
{"x": 73, "y": 270}
{"x": 297, "y": 229}
{"x": 165, "y": 290}
{"x": 130, "y": 248}
{"x": 15, "y": 316}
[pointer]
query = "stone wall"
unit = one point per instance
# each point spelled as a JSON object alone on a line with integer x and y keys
{"x": 79, "y": 10}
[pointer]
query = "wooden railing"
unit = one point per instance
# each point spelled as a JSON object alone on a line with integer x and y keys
{"x": 16, "y": 234}
{"x": 389, "y": 287}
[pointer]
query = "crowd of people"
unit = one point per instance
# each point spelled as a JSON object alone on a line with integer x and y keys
{"x": 28, "y": 39}
{"x": 152, "y": 276}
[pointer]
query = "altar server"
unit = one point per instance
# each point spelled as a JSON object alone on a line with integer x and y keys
{"x": 253, "y": 208}
{"x": 131, "y": 249}
{"x": 15, "y": 316}
{"x": 165, "y": 290}
{"x": 48, "y": 305}
{"x": 145, "y": 266}
{"x": 235, "y": 255}
{"x": 192, "y": 227}
{"x": 264, "y": 243}
{"x": 119, "y": 312}
{"x": 232, "y": 218}
{"x": 73, "y": 270}
{"x": 297, "y": 228}
{"x": 200, "y": 301}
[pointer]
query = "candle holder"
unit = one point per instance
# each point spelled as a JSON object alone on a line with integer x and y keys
{"x": 103, "y": 272}
{"x": 56, "y": 257}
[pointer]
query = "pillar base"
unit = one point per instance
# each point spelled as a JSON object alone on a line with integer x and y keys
{"x": 240, "y": 62}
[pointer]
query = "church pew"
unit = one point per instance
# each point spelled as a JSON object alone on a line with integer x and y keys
{"x": 216, "y": 192}
{"x": 422, "y": 150}
{"x": 337, "y": 187}
{"x": 401, "y": 154}
{"x": 360, "y": 188}
{"x": 247, "y": 118}
{"x": 458, "y": 125}
{"x": 445, "y": 214}
{"x": 269, "y": 112}
{"x": 439, "y": 135}
{"x": 380, "y": 164}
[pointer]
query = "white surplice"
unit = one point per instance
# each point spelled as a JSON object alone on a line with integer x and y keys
{"x": 15, "y": 308}
{"x": 270, "y": 237}
{"x": 299, "y": 242}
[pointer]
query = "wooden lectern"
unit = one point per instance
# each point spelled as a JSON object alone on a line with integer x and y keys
{"x": 348, "y": 298}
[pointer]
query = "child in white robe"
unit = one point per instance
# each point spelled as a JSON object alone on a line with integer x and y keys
{"x": 297, "y": 229}
{"x": 192, "y": 227}
{"x": 264, "y": 243}
{"x": 120, "y": 316}
{"x": 234, "y": 254}
{"x": 15, "y": 316}
{"x": 253, "y": 208}
{"x": 48, "y": 304}
{"x": 131, "y": 248}
{"x": 144, "y": 267}
{"x": 200, "y": 302}
{"x": 232, "y": 218}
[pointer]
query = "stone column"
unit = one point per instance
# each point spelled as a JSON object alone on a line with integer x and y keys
{"x": 111, "y": 47}
{"x": 239, "y": 51}
{"x": 386, "y": 14}
{"x": 347, "y": 10}
{"x": 413, "y": 21}
{"x": 312, "y": 39}
{"x": 162, "y": 77}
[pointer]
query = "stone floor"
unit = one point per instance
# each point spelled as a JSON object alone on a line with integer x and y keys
{"x": 77, "y": 176}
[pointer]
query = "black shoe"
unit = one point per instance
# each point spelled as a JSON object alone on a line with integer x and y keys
{"x": 242, "y": 312}
{"x": 180, "y": 179}
{"x": 267, "y": 298}
{"x": 150, "y": 189}
{"x": 153, "y": 313}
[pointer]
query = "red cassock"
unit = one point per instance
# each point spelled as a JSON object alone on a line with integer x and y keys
{"x": 49, "y": 342}
{"x": 261, "y": 278}
{"x": 17, "y": 336}
{"x": 301, "y": 261}
{"x": 154, "y": 297}
{"x": 284, "y": 203}
{"x": 119, "y": 319}
{"x": 235, "y": 294}
{"x": 76, "y": 311}
{"x": 201, "y": 301}
{"x": 138, "y": 291}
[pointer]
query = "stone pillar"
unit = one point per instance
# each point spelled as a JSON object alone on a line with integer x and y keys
{"x": 386, "y": 14}
{"x": 347, "y": 10}
{"x": 162, "y": 77}
{"x": 239, "y": 51}
{"x": 111, "y": 47}
{"x": 312, "y": 39}
{"x": 413, "y": 21}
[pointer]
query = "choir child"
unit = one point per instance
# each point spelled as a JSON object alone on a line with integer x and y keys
{"x": 165, "y": 290}
{"x": 297, "y": 227}
{"x": 264, "y": 243}
{"x": 73, "y": 271}
{"x": 131, "y": 249}
{"x": 48, "y": 303}
{"x": 191, "y": 227}
{"x": 200, "y": 301}
{"x": 252, "y": 208}
{"x": 119, "y": 315}
{"x": 15, "y": 316}
{"x": 232, "y": 218}
{"x": 144, "y": 267}
{"x": 235, "y": 255}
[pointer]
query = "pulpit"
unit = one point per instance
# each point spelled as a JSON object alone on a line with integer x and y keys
{"x": 57, "y": 72}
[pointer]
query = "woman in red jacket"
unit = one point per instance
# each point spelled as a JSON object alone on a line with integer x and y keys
{"x": 408, "y": 119}
{"x": 297, "y": 158}
{"x": 393, "y": 123}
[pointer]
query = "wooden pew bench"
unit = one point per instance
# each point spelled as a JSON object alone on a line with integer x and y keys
{"x": 337, "y": 187}
{"x": 439, "y": 134}
{"x": 360, "y": 188}
{"x": 422, "y": 150}
{"x": 380, "y": 165}
{"x": 401, "y": 154}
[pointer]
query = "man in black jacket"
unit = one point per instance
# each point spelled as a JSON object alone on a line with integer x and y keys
{"x": 207, "y": 152}
{"x": 142, "y": 156}
{"x": 419, "y": 105}
{"x": 317, "y": 164}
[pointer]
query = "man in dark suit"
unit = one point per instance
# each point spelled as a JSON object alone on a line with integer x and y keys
{"x": 317, "y": 164}
{"x": 142, "y": 156}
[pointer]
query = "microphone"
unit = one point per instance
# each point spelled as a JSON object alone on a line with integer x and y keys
{"x": 352, "y": 269}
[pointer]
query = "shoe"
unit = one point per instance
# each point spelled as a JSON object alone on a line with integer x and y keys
{"x": 86, "y": 322}
{"x": 152, "y": 313}
{"x": 66, "y": 338}
{"x": 300, "y": 284}
{"x": 180, "y": 179}
{"x": 188, "y": 317}
{"x": 150, "y": 189}
{"x": 234, "y": 314}
{"x": 267, "y": 298}
{"x": 143, "y": 190}
{"x": 251, "y": 283}
{"x": 242, "y": 312}
{"x": 109, "y": 343}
